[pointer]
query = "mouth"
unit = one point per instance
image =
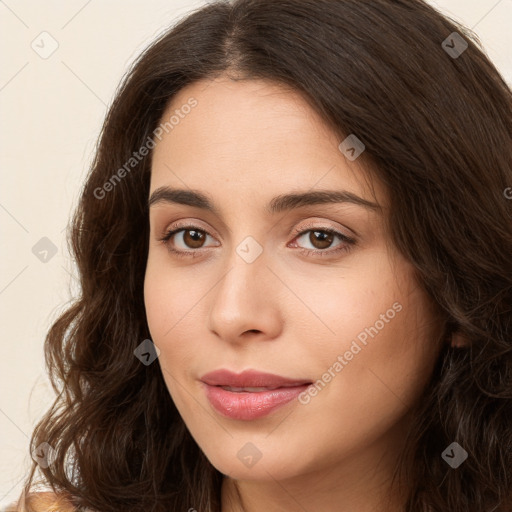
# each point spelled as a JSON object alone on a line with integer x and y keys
{"x": 251, "y": 390}
{"x": 250, "y": 379}
{"x": 250, "y": 394}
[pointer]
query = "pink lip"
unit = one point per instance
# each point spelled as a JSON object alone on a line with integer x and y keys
{"x": 249, "y": 405}
{"x": 249, "y": 378}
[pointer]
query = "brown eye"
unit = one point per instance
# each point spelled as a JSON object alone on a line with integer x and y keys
{"x": 193, "y": 238}
{"x": 185, "y": 240}
{"x": 321, "y": 239}
{"x": 321, "y": 242}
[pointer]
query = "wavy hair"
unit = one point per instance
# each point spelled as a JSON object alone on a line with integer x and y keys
{"x": 437, "y": 127}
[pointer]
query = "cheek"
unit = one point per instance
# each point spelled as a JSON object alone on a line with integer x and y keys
{"x": 173, "y": 302}
{"x": 379, "y": 341}
{"x": 347, "y": 307}
{"x": 388, "y": 359}
{"x": 159, "y": 304}
{"x": 169, "y": 296}
{"x": 368, "y": 394}
{"x": 166, "y": 303}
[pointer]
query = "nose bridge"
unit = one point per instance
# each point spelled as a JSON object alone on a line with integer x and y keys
{"x": 245, "y": 271}
{"x": 243, "y": 299}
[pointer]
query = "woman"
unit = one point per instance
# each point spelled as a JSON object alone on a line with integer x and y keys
{"x": 294, "y": 247}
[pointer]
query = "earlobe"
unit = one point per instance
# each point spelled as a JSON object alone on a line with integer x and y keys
{"x": 458, "y": 340}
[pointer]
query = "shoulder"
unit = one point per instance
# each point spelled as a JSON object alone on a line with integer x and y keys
{"x": 42, "y": 502}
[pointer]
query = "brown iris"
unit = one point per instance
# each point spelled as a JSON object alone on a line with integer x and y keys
{"x": 193, "y": 238}
{"x": 325, "y": 239}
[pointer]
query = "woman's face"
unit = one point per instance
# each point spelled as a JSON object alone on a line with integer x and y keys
{"x": 311, "y": 291}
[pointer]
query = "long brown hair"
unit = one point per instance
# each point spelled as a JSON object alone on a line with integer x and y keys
{"x": 436, "y": 120}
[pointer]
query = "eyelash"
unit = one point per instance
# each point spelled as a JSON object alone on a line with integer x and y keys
{"x": 346, "y": 246}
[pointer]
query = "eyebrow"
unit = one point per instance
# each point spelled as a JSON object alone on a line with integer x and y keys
{"x": 278, "y": 204}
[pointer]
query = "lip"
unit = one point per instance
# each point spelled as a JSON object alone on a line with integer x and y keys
{"x": 249, "y": 405}
{"x": 249, "y": 379}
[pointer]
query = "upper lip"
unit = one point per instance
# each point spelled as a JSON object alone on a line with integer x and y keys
{"x": 249, "y": 378}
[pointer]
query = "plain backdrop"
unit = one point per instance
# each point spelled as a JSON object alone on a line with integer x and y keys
{"x": 61, "y": 63}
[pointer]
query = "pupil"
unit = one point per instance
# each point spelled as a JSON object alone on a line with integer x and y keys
{"x": 194, "y": 238}
{"x": 325, "y": 239}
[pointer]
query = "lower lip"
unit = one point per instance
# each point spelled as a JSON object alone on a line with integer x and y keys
{"x": 250, "y": 405}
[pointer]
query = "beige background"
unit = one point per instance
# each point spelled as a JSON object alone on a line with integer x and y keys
{"x": 52, "y": 110}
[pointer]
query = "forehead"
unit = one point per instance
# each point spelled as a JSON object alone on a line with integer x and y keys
{"x": 255, "y": 134}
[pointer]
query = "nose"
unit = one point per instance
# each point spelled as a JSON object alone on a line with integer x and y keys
{"x": 245, "y": 304}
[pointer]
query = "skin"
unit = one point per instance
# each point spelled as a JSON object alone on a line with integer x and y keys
{"x": 286, "y": 313}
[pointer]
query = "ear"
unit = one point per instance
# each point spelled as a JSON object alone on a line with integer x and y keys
{"x": 458, "y": 340}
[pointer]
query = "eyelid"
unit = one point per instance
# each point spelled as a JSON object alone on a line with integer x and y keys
{"x": 190, "y": 224}
{"x": 310, "y": 224}
{"x": 177, "y": 227}
{"x": 314, "y": 225}
{"x": 347, "y": 241}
